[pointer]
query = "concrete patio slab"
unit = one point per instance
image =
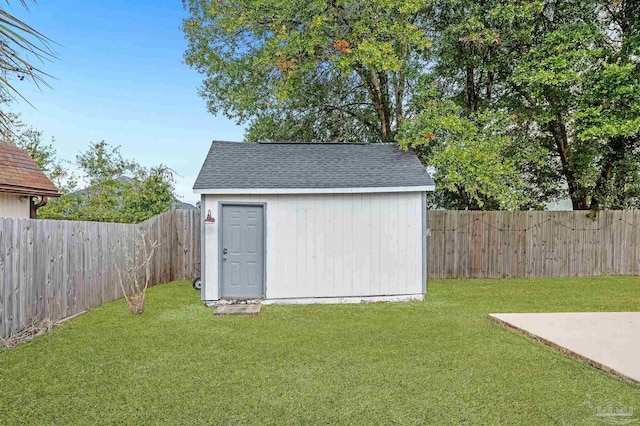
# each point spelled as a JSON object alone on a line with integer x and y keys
{"x": 239, "y": 309}
{"x": 609, "y": 341}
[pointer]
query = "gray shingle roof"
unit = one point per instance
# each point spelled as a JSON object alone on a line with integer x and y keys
{"x": 231, "y": 165}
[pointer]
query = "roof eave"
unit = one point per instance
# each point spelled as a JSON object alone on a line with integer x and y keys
{"x": 28, "y": 191}
{"x": 354, "y": 190}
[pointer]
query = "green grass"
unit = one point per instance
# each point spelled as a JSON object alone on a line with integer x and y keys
{"x": 440, "y": 361}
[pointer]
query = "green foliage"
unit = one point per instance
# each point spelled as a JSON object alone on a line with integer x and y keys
{"x": 607, "y": 122}
{"x": 117, "y": 190}
{"x": 472, "y": 157}
{"x": 578, "y": 87}
{"x": 151, "y": 192}
{"x": 44, "y": 154}
{"x": 114, "y": 189}
{"x": 564, "y": 75}
{"x": 314, "y": 115}
{"x": 542, "y": 98}
{"x": 262, "y": 58}
{"x": 23, "y": 48}
{"x": 436, "y": 362}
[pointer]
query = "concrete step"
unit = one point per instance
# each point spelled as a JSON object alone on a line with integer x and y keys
{"x": 238, "y": 309}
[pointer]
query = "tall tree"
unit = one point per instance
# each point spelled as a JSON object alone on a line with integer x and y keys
{"x": 535, "y": 99}
{"x": 116, "y": 189}
{"x": 577, "y": 90}
{"x": 565, "y": 74}
{"x": 308, "y": 62}
{"x": 474, "y": 158}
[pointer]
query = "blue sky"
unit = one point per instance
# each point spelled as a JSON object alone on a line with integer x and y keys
{"x": 120, "y": 78}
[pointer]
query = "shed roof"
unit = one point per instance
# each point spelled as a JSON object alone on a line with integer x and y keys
{"x": 295, "y": 167}
{"x": 19, "y": 174}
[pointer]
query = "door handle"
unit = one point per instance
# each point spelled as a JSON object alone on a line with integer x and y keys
{"x": 224, "y": 258}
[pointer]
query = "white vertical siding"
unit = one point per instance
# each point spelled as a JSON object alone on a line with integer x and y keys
{"x": 331, "y": 245}
{"x": 14, "y": 206}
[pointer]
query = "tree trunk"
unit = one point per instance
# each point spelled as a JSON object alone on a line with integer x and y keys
{"x": 489, "y": 86}
{"x": 615, "y": 153}
{"x": 378, "y": 87}
{"x": 472, "y": 99}
{"x": 399, "y": 98}
{"x": 576, "y": 191}
{"x": 386, "y": 133}
{"x": 578, "y": 202}
{"x": 400, "y": 82}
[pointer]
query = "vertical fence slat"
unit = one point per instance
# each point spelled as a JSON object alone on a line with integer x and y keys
{"x": 465, "y": 244}
{"x": 4, "y": 256}
{"x": 55, "y": 269}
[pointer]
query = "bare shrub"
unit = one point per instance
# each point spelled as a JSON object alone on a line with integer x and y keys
{"x": 135, "y": 276}
{"x": 34, "y": 328}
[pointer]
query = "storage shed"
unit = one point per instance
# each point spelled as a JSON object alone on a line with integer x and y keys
{"x": 313, "y": 223}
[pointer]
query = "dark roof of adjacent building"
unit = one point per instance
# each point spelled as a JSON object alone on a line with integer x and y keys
{"x": 181, "y": 205}
{"x": 19, "y": 174}
{"x": 237, "y": 165}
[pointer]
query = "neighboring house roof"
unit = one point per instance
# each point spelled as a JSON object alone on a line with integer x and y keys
{"x": 181, "y": 205}
{"x": 19, "y": 174}
{"x": 291, "y": 167}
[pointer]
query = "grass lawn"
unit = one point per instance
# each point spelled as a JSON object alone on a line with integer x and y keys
{"x": 440, "y": 361}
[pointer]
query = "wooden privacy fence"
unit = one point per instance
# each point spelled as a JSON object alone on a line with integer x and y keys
{"x": 499, "y": 244}
{"x": 54, "y": 269}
